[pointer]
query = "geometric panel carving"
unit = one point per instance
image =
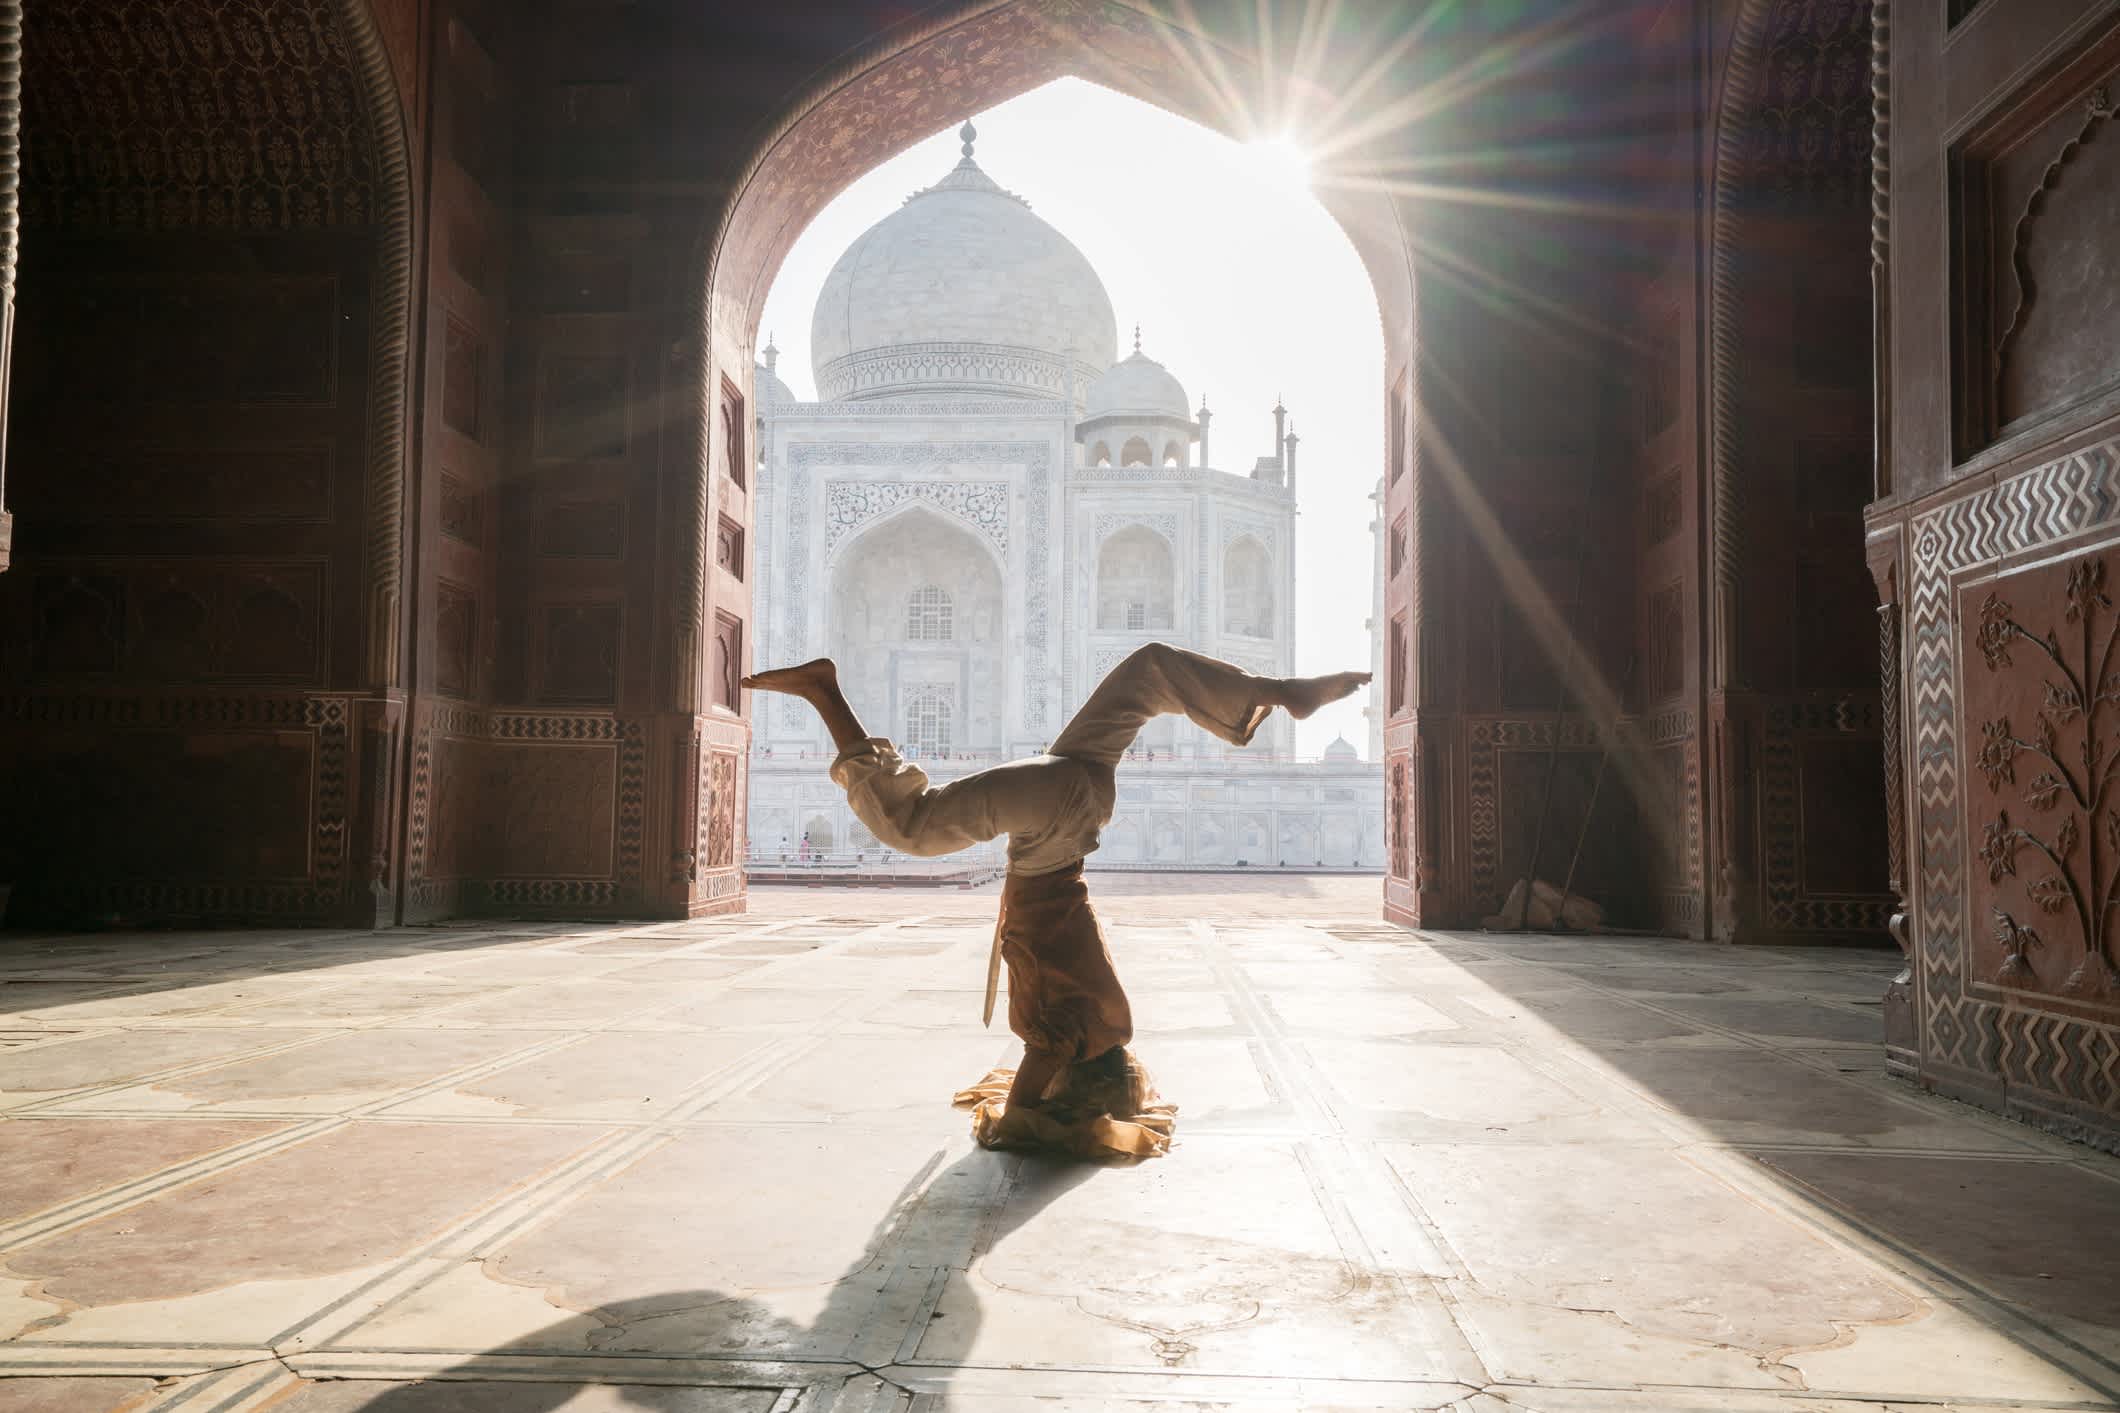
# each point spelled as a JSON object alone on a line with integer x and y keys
{"x": 583, "y": 284}
{"x": 195, "y": 340}
{"x": 1962, "y": 1027}
{"x": 583, "y": 529}
{"x": 2056, "y": 344}
{"x": 728, "y": 547}
{"x": 456, "y": 640}
{"x": 461, "y": 511}
{"x": 1843, "y": 847}
{"x": 581, "y": 413}
{"x": 734, "y": 425}
{"x": 728, "y": 661}
{"x": 2041, "y": 692}
{"x": 180, "y": 621}
{"x": 79, "y": 623}
{"x": 1667, "y": 642}
{"x": 1664, "y": 509}
{"x": 580, "y": 657}
{"x": 722, "y": 805}
{"x": 275, "y": 627}
{"x": 549, "y": 812}
{"x": 463, "y": 380}
{"x": 123, "y": 480}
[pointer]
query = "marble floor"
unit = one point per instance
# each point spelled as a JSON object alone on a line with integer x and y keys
{"x": 712, "y": 1166}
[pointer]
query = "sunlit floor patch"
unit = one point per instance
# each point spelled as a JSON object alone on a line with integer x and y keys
{"x": 707, "y": 1167}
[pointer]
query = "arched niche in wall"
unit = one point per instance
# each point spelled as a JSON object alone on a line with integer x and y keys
{"x": 1136, "y": 581}
{"x": 917, "y": 608}
{"x": 1247, "y": 588}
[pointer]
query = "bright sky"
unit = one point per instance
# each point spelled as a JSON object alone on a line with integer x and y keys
{"x": 1243, "y": 285}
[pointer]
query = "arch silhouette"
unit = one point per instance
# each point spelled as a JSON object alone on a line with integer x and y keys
{"x": 1136, "y": 575}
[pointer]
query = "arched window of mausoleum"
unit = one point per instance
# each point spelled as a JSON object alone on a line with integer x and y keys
{"x": 927, "y": 723}
{"x": 1174, "y": 453}
{"x": 930, "y": 615}
{"x": 1100, "y": 455}
{"x": 1247, "y": 589}
{"x": 1135, "y": 578}
{"x": 1136, "y": 453}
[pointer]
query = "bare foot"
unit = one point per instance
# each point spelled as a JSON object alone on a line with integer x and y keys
{"x": 806, "y": 680}
{"x": 1304, "y": 695}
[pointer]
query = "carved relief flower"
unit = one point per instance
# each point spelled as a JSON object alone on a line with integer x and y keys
{"x": 2016, "y": 941}
{"x": 1998, "y": 753}
{"x": 2062, "y": 701}
{"x": 1998, "y": 847}
{"x": 2050, "y": 893}
{"x": 1995, "y": 633}
{"x": 2086, "y": 586}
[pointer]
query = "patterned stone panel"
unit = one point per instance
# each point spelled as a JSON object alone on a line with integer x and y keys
{"x": 215, "y": 808}
{"x": 1821, "y": 762}
{"x": 792, "y": 633}
{"x": 157, "y": 115}
{"x": 2040, "y": 190}
{"x": 1975, "y": 1029}
{"x": 2036, "y": 647}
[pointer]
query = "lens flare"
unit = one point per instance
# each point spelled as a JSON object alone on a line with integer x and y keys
{"x": 1285, "y": 161}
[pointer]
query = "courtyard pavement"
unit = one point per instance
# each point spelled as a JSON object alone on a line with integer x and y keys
{"x": 712, "y": 1166}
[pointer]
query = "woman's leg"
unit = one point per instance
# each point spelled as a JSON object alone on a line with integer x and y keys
{"x": 892, "y": 795}
{"x": 816, "y": 682}
{"x": 1217, "y": 696}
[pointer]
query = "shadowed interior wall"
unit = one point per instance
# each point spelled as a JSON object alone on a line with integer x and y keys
{"x": 192, "y": 724}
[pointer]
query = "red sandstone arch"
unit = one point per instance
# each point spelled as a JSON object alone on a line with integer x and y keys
{"x": 928, "y": 75}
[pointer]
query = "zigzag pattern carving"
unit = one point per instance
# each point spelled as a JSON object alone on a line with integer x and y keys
{"x": 2063, "y": 1056}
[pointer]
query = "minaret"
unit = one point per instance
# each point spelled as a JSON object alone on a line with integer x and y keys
{"x": 772, "y": 355}
{"x": 1288, "y": 458}
{"x": 1205, "y": 418}
{"x": 1280, "y": 430}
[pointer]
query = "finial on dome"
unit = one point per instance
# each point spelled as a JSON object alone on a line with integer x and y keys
{"x": 970, "y": 134}
{"x": 1137, "y": 338}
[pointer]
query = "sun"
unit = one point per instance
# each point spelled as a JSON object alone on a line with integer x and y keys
{"x": 1283, "y": 160}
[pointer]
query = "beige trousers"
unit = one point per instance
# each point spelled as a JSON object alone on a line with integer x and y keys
{"x": 1050, "y": 806}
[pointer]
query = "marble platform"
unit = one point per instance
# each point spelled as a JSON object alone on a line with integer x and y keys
{"x": 712, "y": 1166}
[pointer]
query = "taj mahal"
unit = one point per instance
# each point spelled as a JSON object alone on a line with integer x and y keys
{"x": 986, "y": 508}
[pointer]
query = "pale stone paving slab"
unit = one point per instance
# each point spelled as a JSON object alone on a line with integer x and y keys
{"x": 711, "y": 1165}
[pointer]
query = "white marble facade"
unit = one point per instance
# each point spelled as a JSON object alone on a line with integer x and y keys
{"x": 987, "y": 511}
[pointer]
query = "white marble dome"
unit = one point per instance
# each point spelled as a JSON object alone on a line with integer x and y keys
{"x": 1137, "y": 386}
{"x": 963, "y": 290}
{"x": 768, "y": 387}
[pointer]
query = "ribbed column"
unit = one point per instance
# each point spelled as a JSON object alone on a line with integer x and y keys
{"x": 1881, "y": 234}
{"x": 10, "y": 201}
{"x": 390, "y": 354}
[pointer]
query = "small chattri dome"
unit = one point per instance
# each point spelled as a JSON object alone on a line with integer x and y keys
{"x": 769, "y": 387}
{"x": 1341, "y": 749}
{"x": 1138, "y": 386}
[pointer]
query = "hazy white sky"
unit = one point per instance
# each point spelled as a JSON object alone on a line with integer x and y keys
{"x": 1244, "y": 287}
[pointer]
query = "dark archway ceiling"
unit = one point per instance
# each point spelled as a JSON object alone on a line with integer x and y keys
{"x": 206, "y": 115}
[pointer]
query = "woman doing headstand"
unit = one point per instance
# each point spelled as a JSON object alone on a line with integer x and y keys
{"x": 1078, "y": 1088}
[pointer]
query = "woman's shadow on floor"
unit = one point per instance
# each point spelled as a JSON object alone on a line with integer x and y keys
{"x": 924, "y": 1230}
